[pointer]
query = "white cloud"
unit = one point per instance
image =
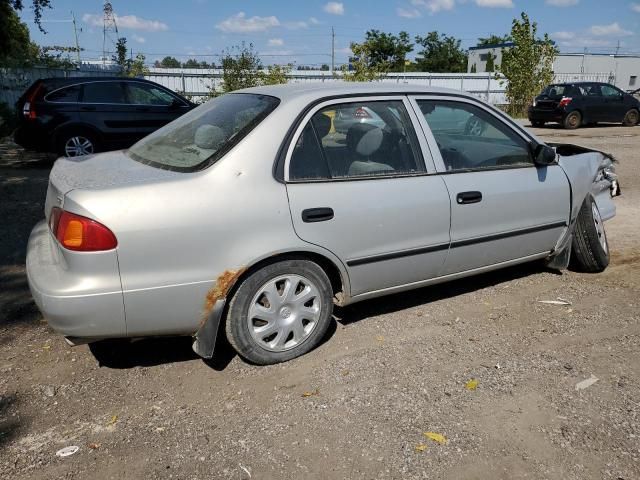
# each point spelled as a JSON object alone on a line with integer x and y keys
{"x": 334, "y": 8}
{"x": 495, "y": 3}
{"x": 297, "y": 25}
{"x": 611, "y": 30}
{"x": 138, "y": 38}
{"x": 562, "y": 3}
{"x": 635, "y": 7}
{"x": 275, "y": 42}
{"x": 128, "y": 21}
{"x": 435, "y": 6}
{"x": 239, "y": 23}
{"x": 563, "y": 35}
{"x": 408, "y": 12}
{"x": 314, "y": 21}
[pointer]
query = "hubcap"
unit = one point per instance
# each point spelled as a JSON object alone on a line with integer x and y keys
{"x": 573, "y": 120}
{"x": 284, "y": 312}
{"x": 78, "y": 146}
{"x": 597, "y": 221}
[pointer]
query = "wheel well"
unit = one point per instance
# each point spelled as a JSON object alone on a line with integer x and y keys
{"x": 332, "y": 271}
{"x": 78, "y": 127}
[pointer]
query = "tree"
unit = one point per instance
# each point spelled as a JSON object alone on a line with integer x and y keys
{"x": 169, "y": 62}
{"x": 474, "y": 68}
{"x": 191, "y": 63}
{"x": 527, "y": 66}
{"x": 325, "y": 68}
{"x": 136, "y": 68}
{"x": 493, "y": 40}
{"x": 362, "y": 68}
{"x": 16, "y": 47}
{"x": 491, "y": 58}
{"x": 121, "y": 53}
{"x": 276, "y": 74}
{"x": 386, "y": 49}
{"x": 440, "y": 53}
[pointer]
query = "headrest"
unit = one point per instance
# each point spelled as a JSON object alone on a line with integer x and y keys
{"x": 364, "y": 139}
{"x": 322, "y": 124}
{"x": 209, "y": 136}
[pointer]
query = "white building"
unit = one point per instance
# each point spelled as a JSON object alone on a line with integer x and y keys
{"x": 621, "y": 70}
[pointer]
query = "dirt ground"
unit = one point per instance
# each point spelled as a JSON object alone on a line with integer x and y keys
{"x": 358, "y": 406}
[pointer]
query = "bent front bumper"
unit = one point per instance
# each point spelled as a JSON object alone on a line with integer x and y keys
{"x": 78, "y": 293}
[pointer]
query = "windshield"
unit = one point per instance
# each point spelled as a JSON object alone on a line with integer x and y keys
{"x": 200, "y": 137}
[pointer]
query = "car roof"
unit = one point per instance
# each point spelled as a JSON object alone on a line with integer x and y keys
{"x": 318, "y": 90}
{"x": 69, "y": 80}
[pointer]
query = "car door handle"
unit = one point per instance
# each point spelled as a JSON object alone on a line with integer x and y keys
{"x": 469, "y": 197}
{"x": 312, "y": 215}
{"x": 88, "y": 109}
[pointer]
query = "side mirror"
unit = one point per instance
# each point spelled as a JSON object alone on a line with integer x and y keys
{"x": 544, "y": 155}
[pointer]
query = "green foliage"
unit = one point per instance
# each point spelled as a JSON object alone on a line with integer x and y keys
{"x": 474, "y": 68}
{"x": 491, "y": 59}
{"x": 527, "y": 66}
{"x": 136, "y": 67}
{"x": 121, "y": 53}
{"x": 276, "y": 74}
{"x": 388, "y": 50}
{"x": 325, "y": 67}
{"x": 440, "y": 53}
{"x": 493, "y": 40}
{"x": 363, "y": 68}
{"x": 168, "y": 62}
{"x": 36, "y": 5}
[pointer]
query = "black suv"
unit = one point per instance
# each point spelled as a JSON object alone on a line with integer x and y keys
{"x": 584, "y": 103}
{"x": 83, "y": 115}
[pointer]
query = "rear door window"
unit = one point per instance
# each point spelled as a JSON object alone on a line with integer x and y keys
{"x": 142, "y": 94}
{"x": 356, "y": 139}
{"x": 65, "y": 95}
{"x": 103, "y": 92}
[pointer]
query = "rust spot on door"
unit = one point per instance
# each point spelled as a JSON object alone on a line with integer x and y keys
{"x": 220, "y": 290}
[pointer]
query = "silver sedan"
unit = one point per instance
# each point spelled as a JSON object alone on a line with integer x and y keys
{"x": 253, "y": 215}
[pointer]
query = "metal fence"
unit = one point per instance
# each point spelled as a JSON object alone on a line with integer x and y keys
{"x": 198, "y": 83}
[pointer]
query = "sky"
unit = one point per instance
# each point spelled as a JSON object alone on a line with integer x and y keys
{"x": 300, "y": 31}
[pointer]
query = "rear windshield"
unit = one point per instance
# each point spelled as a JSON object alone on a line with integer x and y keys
{"x": 558, "y": 91}
{"x": 200, "y": 137}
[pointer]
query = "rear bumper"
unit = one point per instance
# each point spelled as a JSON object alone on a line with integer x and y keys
{"x": 33, "y": 137}
{"x": 537, "y": 115}
{"x": 79, "y": 294}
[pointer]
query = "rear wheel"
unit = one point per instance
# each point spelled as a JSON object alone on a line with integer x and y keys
{"x": 573, "y": 120}
{"x": 280, "y": 312}
{"x": 631, "y": 118}
{"x": 77, "y": 143}
{"x": 590, "y": 249}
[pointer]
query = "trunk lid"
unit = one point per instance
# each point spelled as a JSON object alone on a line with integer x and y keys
{"x": 101, "y": 171}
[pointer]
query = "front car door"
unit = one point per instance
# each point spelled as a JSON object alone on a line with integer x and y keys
{"x": 364, "y": 192}
{"x": 153, "y": 106}
{"x": 503, "y": 207}
{"x": 614, "y": 107}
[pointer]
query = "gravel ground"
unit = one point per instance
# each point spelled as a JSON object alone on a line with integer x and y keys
{"x": 358, "y": 406}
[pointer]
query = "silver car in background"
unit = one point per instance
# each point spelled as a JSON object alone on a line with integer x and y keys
{"x": 252, "y": 215}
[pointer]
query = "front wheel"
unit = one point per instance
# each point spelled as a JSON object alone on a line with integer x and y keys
{"x": 631, "y": 118}
{"x": 573, "y": 120}
{"x": 590, "y": 247}
{"x": 280, "y": 312}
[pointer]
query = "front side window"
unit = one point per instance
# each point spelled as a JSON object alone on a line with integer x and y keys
{"x": 103, "y": 92}
{"x": 358, "y": 139}
{"x": 141, "y": 94}
{"x": 610, "y": 92}
{"x": 200, "y": 137}
{"x": 470, "y": 138}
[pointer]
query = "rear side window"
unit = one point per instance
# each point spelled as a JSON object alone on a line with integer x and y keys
{"x": 103, "y": 92}
{"x": 65, "y": 95}
{"x": 470, "y": 138}
{"x": 350, "y": 140}
{"x": 142, "y": 94}
{"x": 202, "y": 136}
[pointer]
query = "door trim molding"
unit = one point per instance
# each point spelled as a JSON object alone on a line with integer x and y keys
{"x": 455, "y": 244}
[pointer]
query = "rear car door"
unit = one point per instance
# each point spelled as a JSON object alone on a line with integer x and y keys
{"x": 103, "y": 105}
{"x": 363, "y": 192}
{"x": 153, "y": 107}
{"x": 503, "y": 207}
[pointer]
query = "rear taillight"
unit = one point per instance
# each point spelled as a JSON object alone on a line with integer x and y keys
{"x": 28, "y": 110}
{"x": 79, "y": 233}
{"x": 565, "y": 101}
{"x": 361, "y": 112}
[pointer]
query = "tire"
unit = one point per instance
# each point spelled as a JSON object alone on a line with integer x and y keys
{"x": 76, "y": 143}
{"x": 590, "y": 248}
{"x": 294, "y": 314}
{"x": 537, "y": 123}
{"x": 474, "y": 127}
{"x": 631, "y": 118}
{"x": 573, "y": 120}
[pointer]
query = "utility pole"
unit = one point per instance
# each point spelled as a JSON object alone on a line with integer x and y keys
{"x": 333, "y": 51}
{"x": 75, "y": 32}
{"x": 618, "y": 48}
